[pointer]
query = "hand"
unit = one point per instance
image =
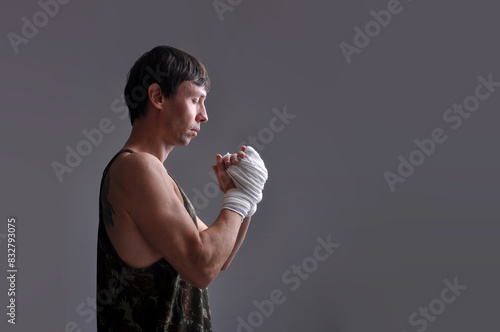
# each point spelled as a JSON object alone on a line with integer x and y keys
{"x": 250, "y": 176}
{"x": 220, "y": 168}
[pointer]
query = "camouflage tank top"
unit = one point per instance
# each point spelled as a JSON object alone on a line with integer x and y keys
{"x": 155, "y": 298}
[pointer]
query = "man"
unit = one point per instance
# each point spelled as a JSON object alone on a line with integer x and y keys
{"x": 155, "y": 256}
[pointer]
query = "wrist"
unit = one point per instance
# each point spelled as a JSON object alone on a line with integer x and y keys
{"x": 232, "y": 212}
{"x": 238, "y": 201}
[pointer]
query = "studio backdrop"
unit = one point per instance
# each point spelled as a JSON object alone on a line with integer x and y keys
{"x": 377, "y": 120}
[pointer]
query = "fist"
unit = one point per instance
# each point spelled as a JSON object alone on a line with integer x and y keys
{"x": 221, "y": 165}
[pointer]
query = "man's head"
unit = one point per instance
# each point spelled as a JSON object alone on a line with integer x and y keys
{"x": 169, "y": 68}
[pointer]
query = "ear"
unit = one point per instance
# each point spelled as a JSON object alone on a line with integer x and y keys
{"x": 155, "y": 95}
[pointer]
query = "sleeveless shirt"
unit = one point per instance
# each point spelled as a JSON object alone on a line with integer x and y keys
{"x": 155, "y": 298}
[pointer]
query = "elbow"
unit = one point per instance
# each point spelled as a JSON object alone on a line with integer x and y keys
{"x": 202, "y": 269}
{"x": 202, "y": 279}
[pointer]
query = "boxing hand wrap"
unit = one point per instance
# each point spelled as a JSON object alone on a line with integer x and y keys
{"x": 249, "y": 176}
{"x": 238, "y": 201}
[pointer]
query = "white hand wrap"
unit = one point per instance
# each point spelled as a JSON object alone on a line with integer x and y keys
{"x": 249, "y": 176}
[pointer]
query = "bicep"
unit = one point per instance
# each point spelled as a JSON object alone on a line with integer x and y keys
{"x": 152, "y": 203}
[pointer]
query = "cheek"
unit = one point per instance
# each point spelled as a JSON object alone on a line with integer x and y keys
{"x": 184, "y": 117}
{"x": 189, "y": 113}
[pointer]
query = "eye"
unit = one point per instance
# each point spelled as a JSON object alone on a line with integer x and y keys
{"x": 195, "y": 101}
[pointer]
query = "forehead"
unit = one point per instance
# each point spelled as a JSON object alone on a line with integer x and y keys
{"x": 190, "y": 88}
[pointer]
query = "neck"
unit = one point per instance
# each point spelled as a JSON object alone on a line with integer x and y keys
{"x": 145, "y": 138}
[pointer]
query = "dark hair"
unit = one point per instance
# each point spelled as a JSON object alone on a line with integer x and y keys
{"x": 168, "y": 67}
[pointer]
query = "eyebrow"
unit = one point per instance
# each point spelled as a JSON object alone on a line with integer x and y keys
{"x": 202, "y": 93}
{"x": 197, "y": 90}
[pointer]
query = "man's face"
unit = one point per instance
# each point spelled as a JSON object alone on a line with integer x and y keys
{"x": 184, "y": 112}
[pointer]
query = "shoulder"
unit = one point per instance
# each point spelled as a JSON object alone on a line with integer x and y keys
{"x": 139, "y": 168}
{"x": 136, "y": 160}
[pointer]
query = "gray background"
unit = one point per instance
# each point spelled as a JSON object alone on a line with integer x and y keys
{"x": 326, "y": 166}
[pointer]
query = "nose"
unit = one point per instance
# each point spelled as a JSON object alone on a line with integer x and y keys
{"x": 202, "y": 114}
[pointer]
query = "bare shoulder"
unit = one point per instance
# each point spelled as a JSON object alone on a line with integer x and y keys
{"x": 140, "y": 168}
{"x": 140, "y": 178}
{"x": 137, "y": 161}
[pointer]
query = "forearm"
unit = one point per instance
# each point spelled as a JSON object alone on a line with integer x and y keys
{"x": 239, "y": 241}
{"x": 218, "y": 242}
{"x": 222, "y": 240}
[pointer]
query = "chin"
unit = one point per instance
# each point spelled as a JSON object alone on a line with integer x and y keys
{"x": 184, "y": 142}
